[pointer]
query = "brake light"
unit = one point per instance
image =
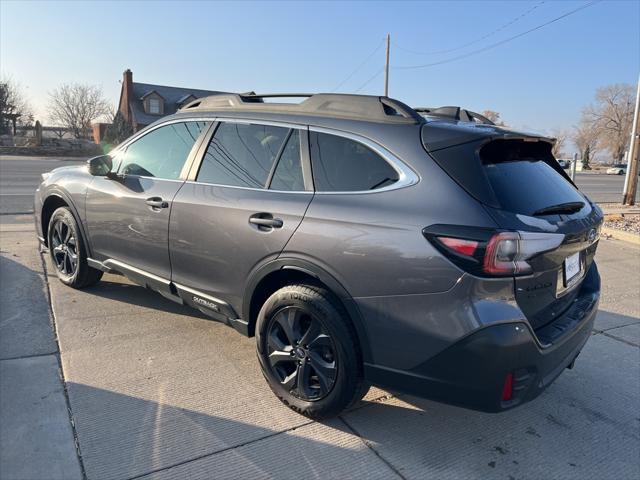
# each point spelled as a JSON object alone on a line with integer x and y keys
{"x": 502, "y": 255}
{"x": 487, "y": 252}
{"x": 463, "y": 247}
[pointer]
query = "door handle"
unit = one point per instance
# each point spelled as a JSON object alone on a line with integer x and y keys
{"x": 265, "y": 221}
{"x": 156, "y": 202}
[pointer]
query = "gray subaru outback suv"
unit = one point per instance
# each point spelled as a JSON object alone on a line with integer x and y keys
{"x": 361, "y": 241}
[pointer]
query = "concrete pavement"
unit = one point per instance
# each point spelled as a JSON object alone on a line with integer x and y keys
{"x": 36, "y": 434}
{"x": 157, "y": 391}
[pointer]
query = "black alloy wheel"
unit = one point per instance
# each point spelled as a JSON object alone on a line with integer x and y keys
{"x": 64, "y": 247}
{"x": 301, "y": 353}
{"x": 68, "y": 252}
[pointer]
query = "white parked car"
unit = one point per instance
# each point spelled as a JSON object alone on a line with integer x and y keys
{"x": 617, "y": 169}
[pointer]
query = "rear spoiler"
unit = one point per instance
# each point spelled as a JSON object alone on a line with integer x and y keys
{"x": 454, "y": 113}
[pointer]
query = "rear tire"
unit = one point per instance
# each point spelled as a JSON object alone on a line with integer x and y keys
{"x": 67, "y": 251}
{"x": 308, "y": 351}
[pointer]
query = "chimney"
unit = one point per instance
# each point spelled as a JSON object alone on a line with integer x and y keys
{"x": 127, "y": 93}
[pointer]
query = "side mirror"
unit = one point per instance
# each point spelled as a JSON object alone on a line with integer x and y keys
{"x": 100, "y": 166}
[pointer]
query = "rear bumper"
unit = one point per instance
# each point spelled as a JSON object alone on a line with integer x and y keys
{"x": 471, "y": 373}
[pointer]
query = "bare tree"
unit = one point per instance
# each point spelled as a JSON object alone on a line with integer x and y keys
{"x": 561, "y": 140}
{"x": 612, "y": 116}
{"x": 493, "y": 116}
{"x": 585, "y": 136}
{"x": 74, "y": 106}
{"x": 14, "y": 106}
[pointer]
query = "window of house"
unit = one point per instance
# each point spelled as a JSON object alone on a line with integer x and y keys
{"x": 241, "y": 154}
{"x": 154, "y": 106}
{"x": 343, "y": 165}
{"x": 162, "y": 152}
{"x": 288, "y": 173}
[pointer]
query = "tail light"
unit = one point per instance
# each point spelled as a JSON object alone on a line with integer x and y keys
{"x": 489, "y": 252}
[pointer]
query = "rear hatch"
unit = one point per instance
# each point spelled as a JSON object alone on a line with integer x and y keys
{"x": 524, "y": 189}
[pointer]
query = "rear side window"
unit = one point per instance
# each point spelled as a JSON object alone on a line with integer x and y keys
{"x": 241, "y": 154}
{"x": 343, "y": 165}
{"x": 162, "y": 152}
{"x": 288, "y": 173}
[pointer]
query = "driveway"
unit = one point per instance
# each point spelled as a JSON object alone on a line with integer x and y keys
{"x": 157, "y": 391}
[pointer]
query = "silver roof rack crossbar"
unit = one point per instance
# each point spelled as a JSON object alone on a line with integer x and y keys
{"x": 361, "y": 107}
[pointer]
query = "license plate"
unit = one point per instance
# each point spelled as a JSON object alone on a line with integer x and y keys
{"x": 571, "y": 267}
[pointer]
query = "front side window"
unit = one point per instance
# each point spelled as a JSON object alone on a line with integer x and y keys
{"x": 162, "y": 152}
{"x": 343, "y": 165}
{"x": 241, "y": 154}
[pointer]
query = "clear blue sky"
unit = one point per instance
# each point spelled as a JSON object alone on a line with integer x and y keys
{"x": 540, "y": 81}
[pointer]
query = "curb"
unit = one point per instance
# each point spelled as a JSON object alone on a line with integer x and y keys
{"x": 620, "y": 235}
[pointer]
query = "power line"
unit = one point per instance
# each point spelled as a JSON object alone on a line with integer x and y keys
{"x": 502, "y": 42}
{"x": 359, "y": 66}
{"x": 378, "y": 72}
{"x": 499, "y": 29}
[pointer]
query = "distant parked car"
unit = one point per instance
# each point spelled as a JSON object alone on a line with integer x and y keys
{"x": 617, "y": 169}
{"x": 564, "y": 163}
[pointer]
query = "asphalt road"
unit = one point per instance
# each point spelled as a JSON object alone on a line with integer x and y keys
{"x": 602, "y": 188}
{"x": 156, "y": 391}
{"x": 19, "y": 177}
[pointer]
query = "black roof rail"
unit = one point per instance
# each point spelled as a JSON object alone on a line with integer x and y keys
{"x": 454, "y": 113}
{"x": 361, "y": 107}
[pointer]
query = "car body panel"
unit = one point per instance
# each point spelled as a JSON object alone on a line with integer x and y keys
{"x": 123, "y": 227}
{"x": 69, "y": 183}
{"x": 214, "y": 247}
{"x": 406, "y": 330}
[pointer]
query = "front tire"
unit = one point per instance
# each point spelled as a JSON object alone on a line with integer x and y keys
{"x": 67, "y": 251}
{"x": 308, "y": 351}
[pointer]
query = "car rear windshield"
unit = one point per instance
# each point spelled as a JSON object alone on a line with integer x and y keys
{"x": 514, "y": 175}
{"x": 521, "y": 178}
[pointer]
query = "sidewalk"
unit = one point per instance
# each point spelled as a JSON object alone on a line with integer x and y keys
{"x": 36, "y": 437}
{"x": 619, "y": 209}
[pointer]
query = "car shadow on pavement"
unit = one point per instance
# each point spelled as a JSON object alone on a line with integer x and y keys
{"x": 25, "y": 327}
{"x": 119, "y": 289}
{"x": 123, "y": 436}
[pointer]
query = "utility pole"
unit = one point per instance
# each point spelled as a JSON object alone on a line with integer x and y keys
{"x": 386, "y": 68}
{"x": 631, "y": 179}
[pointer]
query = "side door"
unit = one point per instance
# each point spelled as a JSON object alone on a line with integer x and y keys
{"x": 128, "y": 214}
{"x": 244, "y": 199}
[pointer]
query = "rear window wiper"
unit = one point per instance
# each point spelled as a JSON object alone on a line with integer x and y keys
{"x": 569, "y": 207}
